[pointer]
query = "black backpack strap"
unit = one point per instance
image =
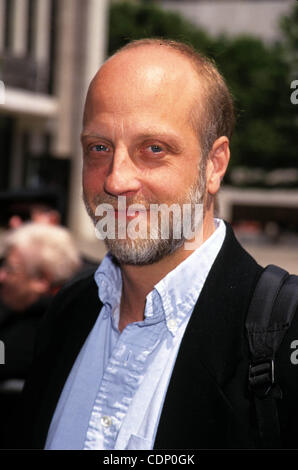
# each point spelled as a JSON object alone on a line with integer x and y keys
{"x": 270, "y": 313}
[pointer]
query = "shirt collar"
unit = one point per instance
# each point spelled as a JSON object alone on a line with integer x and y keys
{"x": 109, "y": 281}
{"x": 180, "y": 288}
{"x": 173, "y": 297}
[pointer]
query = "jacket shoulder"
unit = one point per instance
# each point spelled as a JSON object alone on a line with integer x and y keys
{"x": 74, "y": 303}
{"x": 75, "y": 290}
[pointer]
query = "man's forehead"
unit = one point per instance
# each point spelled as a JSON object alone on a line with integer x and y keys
{"x": 147, "y": 67}
{"x": 146, "y": 79}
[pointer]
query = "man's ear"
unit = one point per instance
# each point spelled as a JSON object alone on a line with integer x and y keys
{"x": 217, "y": 163}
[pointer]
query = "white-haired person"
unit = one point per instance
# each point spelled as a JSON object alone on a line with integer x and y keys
{"x": 39, "y": 259}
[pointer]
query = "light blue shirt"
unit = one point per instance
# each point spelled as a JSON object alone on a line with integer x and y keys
{"x": 114, "y": 394}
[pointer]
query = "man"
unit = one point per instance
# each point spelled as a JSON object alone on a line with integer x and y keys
{"x": 151, "y": 352}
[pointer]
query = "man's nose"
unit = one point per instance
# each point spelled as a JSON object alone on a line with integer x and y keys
{"x": 123, "y": 175}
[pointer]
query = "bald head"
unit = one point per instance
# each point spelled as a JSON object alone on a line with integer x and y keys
{"x": 142, "y": 75}
{"x": 153, "y": 65}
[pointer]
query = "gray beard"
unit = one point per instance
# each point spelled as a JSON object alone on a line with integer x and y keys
{"x": 148, "y": 251}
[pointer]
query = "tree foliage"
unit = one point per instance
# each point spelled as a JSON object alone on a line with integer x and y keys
{"x": 289, "y": 27}
{"x": 258, "y": 74}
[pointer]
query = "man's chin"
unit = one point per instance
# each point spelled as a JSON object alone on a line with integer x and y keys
{"x": 142, "y": 252}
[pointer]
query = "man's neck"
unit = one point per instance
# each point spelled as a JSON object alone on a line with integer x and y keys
{"x": 138, "y": 281}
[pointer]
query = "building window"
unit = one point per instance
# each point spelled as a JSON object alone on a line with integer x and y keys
{"x": 8, "y": 24}
{"x": 6, "y": 133}
{"x": 30, "y": 26}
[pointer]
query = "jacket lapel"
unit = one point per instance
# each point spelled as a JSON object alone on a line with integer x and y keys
{"x": 197, "y": 408}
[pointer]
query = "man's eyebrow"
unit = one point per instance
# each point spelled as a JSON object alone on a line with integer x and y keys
{"x": 156, "y": 135}
{"x": 168, "y": 138}
{"x": 142, "y": 136}
{"x": 90, "y": 134}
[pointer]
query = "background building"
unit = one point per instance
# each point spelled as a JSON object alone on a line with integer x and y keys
{"x": 49, "y": 51}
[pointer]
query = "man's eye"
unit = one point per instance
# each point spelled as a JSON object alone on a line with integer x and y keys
{"x": 99, "y": 148}
{"x": 155, "y": 148}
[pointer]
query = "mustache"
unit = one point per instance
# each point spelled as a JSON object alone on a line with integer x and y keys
{"x": 113, "y": 201}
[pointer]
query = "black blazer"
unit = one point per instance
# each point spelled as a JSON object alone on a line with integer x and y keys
{"x": 207, "y": 404}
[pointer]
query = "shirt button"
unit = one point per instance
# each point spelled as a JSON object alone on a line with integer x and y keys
{"x": 172, "y": 323}
{"x": 106, "y": 421}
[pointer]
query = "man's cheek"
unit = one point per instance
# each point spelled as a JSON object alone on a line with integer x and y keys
{"x": 91, "y": 184}
{"x": 93, "y": 178}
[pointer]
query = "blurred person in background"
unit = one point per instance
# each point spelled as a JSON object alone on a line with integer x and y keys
{"x": 41, "y": 206}
{"x": 39, "y": 213}
{"x": 38, "y": 260}
{"x": 30, "y": 205}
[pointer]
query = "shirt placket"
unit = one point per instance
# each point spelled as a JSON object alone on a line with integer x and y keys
{"x": 122, "y": 376}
